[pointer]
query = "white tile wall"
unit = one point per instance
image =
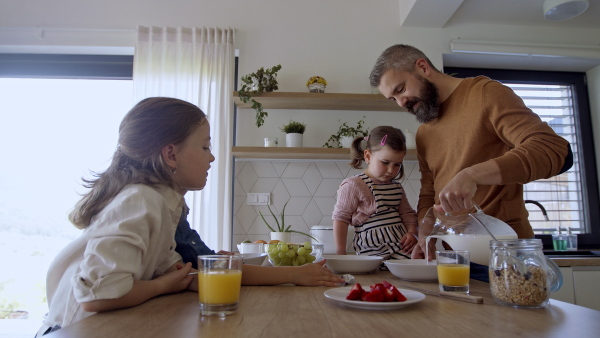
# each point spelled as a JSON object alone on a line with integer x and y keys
{"x": 308, "y": 187}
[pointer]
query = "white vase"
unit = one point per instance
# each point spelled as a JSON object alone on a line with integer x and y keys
{"x": 282, "y": 236}
{"x": 293, "y": 140}
{"x": 346, "y": 141}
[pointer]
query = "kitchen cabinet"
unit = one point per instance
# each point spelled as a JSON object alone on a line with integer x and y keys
{"x": 313, "y": 101}
{"x": 580, "y": 286}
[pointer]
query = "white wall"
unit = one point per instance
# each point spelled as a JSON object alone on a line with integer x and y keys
{"x": 336, "y": 39}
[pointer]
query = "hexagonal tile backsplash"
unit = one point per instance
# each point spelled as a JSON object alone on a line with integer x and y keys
{"x": 310, "y": 188}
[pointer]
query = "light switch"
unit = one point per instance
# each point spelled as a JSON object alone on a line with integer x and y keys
{"x": 258, "y": 198}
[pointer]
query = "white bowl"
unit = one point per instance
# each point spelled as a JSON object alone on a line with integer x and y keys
{"x": 413, "y": 269}
{"x": 244, "y": 248}
{"x": 352, "y": 263}
{"x": 254, "y": 258}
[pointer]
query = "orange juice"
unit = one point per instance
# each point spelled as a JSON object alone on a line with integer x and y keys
{"x": 453, "y": 274}
{"x": 219, "y": 286}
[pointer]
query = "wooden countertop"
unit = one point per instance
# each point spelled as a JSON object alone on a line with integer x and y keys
{"x": 278, "y": 311}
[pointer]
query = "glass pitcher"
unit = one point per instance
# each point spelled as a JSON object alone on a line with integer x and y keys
{"x": 520, "y": 275}
{"x": 471, "y": 231}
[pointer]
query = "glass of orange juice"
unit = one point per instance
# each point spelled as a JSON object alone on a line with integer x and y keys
{"x": 453, "y": 268}
{"x": 219, "y": 284}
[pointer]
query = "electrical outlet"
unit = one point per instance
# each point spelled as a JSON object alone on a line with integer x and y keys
{"x": 258, "y": 198}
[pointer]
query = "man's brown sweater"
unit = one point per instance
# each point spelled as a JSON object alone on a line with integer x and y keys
{"x": 482, "y": 120}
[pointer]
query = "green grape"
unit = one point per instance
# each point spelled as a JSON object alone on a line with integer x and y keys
{"x": 291, "y": 254}
{"x": 294, "y": 247}
{"x": 284, "y": 248}
{"x": 301, "y": 251}
{"x": 276, "y": 260}
{"x": 295, "y": 262}
{"x": 301, "y": 260}
{"x": 310, "y": 258}
{"x": 306, "y": 243}
{"x": 272, "y": 255}
{"x": 281, "y": 254}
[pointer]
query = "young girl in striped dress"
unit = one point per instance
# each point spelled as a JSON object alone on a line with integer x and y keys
{"x": 374, "y": 201}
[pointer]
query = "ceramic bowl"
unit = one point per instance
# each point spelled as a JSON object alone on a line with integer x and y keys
{"x": 244, "y": 248}
{"x": 254, "y": 258}
{"x": 290, "y": 254}
{"x": 352, "y": 263}
{"x": 413, "y": 269}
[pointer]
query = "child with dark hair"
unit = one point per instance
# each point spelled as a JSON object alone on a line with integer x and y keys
{"x": 374, "y": 201}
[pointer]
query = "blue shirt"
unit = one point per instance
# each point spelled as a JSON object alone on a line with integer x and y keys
{"x": 189, "y": 243}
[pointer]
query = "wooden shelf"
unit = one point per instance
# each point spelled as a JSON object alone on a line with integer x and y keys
{"x": 302, "y": 153}
{"x": 321, "y": 101}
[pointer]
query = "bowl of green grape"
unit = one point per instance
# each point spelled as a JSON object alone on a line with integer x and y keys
{"x": 291, "y": 254}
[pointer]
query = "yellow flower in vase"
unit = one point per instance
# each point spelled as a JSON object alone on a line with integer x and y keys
{"x": 316, "y": 84}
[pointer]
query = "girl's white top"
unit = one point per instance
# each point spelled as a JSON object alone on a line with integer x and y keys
{"x": 132, "y": 238}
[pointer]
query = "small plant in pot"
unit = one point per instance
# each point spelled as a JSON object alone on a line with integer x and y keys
{"x": 346, "y": 134}
{"x": 293, "y": 133}
{"x": 255, "y": 84}
{"x": 280, "y": 225}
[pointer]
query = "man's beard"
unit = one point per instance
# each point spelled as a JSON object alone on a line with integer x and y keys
{"x": 429, "y": 108}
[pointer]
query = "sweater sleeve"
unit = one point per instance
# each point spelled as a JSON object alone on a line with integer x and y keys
{"x": 407, "y": 213}
{"x": 347, "y": 202}
{"x": 535, "y": 148}
{"x": 427, "y": 193}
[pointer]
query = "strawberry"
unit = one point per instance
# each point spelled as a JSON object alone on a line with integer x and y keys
{"x": 355, "y": 293}
{"x": 388, "y": 295}
{"x": 373, "y": 296}
{"x": 398, "y": 296}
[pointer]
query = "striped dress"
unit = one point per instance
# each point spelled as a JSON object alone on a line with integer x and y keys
{"x": 380, "y": 235}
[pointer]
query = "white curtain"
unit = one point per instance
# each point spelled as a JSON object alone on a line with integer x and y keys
{"x": 196, "y": 65}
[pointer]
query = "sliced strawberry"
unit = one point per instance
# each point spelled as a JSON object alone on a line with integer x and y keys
{"x": 398, "y": 296}
{"x": 374, "y": 296}
{"x": 388, "y": 295}
{"x": 355, "y": 293}
{"x": 387, "y": 284}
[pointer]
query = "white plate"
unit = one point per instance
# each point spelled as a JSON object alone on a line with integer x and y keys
{"x": 339, "y": 295}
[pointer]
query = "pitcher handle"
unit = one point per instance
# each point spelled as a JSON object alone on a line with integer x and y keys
{"x": 475, "y": 205}
{"x": 555, "y": 277}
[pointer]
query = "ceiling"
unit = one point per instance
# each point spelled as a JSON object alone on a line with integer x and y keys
{"x": 445, "y": 13}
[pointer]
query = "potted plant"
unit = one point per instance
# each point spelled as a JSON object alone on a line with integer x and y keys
{"x": 293, "y": 133}
{"x": 281, "y": 231}
{"x": 345, "y": 134}
{"x": 255, "y": 84}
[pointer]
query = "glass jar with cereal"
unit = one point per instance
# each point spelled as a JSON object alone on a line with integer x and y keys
{"x": 520, "y": 275}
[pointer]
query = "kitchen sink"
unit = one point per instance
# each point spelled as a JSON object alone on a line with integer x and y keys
{"x": 578, "y": 253}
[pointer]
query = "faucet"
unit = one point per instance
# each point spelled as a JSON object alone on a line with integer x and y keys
{"x": 541, "y": 208}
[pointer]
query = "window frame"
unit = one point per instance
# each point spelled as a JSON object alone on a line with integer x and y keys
{"x": 583, "y": 133}
{"x": 67, "y": 66}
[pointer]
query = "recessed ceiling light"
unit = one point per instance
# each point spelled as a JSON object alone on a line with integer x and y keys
{"x": 559, "y": 10}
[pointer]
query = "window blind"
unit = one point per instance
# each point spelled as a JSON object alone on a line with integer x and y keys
{"x": 560, "y": 195}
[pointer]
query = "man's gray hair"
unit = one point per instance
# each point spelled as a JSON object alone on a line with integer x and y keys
{"x": 399, "y": 57}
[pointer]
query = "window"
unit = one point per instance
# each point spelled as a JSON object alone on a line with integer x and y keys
{"x": 571, "y": 199}
{"x": 59, "y": 120}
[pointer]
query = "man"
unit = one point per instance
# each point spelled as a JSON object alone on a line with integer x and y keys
{"x": 478, "y": 142}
